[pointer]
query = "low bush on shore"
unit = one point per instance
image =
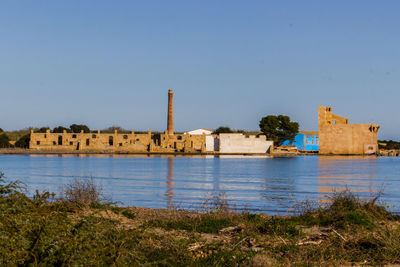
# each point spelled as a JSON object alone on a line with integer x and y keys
{"x": 68, "y": 231}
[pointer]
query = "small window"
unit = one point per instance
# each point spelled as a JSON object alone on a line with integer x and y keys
{"x": 334, "y": 121}
{"x": 120, "y": 144}
{"x": 60, "y": 140}
{"x": 93, "y": 136}
{"x": 137, "y": 139}
{"x": 54, "y": 143}
{"x": 87, "y": 142}
{"x": 125, "y": 136}
{"x": 74, "y": 136}
{"x": 38, "y": 142}
{"x": 179, "y": 137}
{"x": 70, "y": 143}
{"x": 45, "y": 136}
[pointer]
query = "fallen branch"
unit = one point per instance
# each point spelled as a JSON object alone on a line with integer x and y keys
{"x": 339, "y": 235}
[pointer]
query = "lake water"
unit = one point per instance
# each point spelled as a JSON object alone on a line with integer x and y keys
{"x": 261, "y": 184}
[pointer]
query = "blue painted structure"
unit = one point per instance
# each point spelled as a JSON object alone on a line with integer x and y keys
{"x": 304, "y": 141}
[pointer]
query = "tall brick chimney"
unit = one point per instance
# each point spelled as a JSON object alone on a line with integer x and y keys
{"x": 170, "y": 113}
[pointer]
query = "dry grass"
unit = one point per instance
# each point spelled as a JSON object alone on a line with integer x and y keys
{"x": 43, "y": 231}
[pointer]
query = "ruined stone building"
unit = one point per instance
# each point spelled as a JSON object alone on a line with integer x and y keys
{"x": 338, "y": 136}
{"x": 199, "y": 141}
{"x": 121, "y": 142}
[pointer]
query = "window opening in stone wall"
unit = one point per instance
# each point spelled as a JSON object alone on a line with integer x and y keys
{"x": 120, "y": 144}
{"x": 87, "y": 142}
{"x": 38, "y": 142}
{"x": 74, "y": 136}
{"x": 45, "y": 136}
{"x": 70, "y": 143}
{"x": 93, "y": 136}
{"x": 334, "y": 121}
{"x": 54, "y": 143}
{"x": 111, "y": 140}
{"x": 60, "y": 140}
{"x": 179, "y": 137}
{"x": 137, "y": 139}
{"x": 125, "y": 136}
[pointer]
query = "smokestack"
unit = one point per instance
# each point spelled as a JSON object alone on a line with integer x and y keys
{"x": 170, "y": 113}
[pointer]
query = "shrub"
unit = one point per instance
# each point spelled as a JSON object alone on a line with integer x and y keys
{"x": 82, "y": 191}
{"x": 77, "y": 128}
{"x": 4, "y": 141}
{"x": 60, "y": 129}
{"x": 23, "y": 142}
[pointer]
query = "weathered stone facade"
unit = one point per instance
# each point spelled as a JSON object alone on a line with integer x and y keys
{"x": 337, "y": 136}
{"x": 117, "y": 142}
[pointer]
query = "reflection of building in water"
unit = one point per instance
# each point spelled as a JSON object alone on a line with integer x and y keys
{"x": 337, "y": 173}
{"x": 170, "y": 183}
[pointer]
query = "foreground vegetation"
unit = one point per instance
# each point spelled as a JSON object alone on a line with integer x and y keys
{"x": 81, "y": 228}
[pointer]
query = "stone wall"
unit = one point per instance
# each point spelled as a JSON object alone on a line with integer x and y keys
{"x": 337, "y": 136}
{"x": 239, "y": 143}
{"x": 116, "y": 142}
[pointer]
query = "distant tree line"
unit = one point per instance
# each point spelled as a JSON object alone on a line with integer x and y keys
{"x": 383, "y": 144}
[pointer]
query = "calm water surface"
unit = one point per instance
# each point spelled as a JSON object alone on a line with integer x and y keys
{"x": 272, "y": 185}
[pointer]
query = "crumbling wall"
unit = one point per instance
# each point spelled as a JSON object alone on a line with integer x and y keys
{"x": 116, "y": 142}
{"x": 337, "y": 136}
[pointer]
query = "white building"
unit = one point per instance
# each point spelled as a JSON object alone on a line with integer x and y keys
{"x": 200, "y": 132}
{"x": 239, "y": 143}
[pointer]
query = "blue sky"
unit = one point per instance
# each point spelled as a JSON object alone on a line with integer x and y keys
{"x": 106, "y": 63}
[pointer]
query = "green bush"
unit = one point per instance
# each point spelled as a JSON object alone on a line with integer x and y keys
{"x": 23, "y": 142}
{"x": 4, "y": 141}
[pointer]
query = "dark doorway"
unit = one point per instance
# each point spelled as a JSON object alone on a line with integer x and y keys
{"x": 60, "y": 140}
{"x": 111, "y": 141}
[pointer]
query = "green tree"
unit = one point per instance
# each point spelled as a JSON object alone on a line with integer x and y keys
{"x": 279, "y": 128}
{"x": 4, "y": 141}
{"x": 60, "y": 129}
{"x": 43, "y": 129}
{"x": 223, "y": 129}
{"x": 76, "y": 128}
{"x": 23, "y": 142}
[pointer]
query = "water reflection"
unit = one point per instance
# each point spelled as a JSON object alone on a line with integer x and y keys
{"x": 338, "y": 173}
{"x": 271, "y": 185}
{"x": 170, "y": 182}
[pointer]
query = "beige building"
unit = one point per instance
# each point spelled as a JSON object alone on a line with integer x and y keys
{"x": 338, "y": 136}
{"x": 116, "y": 142}
{"x": 196, "y": 141}
{"x": 121, "y": 142}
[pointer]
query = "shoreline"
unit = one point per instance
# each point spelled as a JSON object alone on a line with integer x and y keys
{"x": 348, "y": 232}
{"x": 21, "y": 151}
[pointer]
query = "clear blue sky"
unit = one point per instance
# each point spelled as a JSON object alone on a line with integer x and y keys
{"x": 106, "y": 63}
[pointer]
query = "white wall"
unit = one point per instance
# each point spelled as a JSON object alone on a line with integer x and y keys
{"x": 212, "y": 143}
{"x": 238, "y": 143}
